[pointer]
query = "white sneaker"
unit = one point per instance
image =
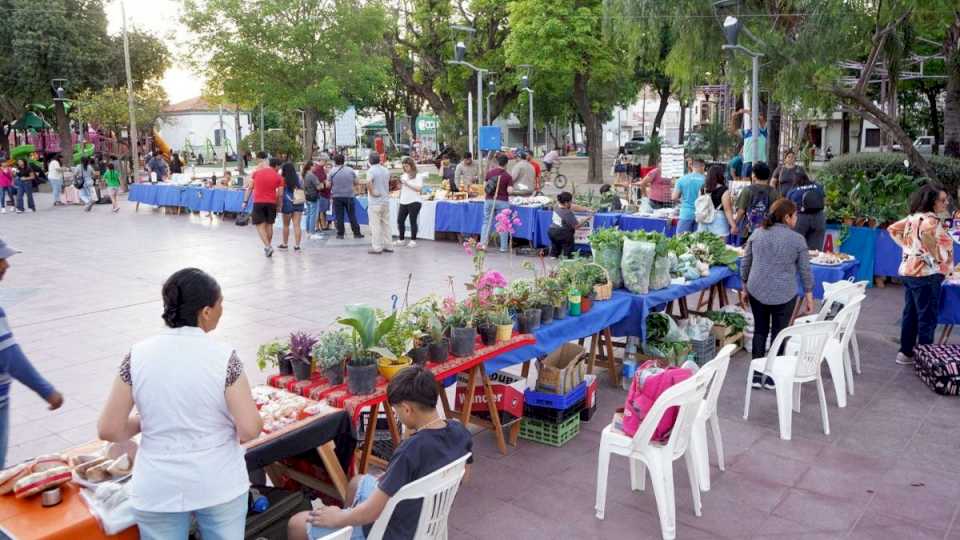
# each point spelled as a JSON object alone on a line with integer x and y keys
{"x": 3, "y": 210}
{"x": 400, "y": 243}
{"x": 412, "y": 244}
{"x": 904, "y": 360}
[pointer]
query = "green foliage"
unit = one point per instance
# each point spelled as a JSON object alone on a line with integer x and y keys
{"x": 461, "y": 317}
{"x": 333, "y": 349}
{"x": 108, "y": 108}
{"x": 368, "y": 331}
{"x": 873, "y": 164}
{"x": 709, "y": 248}
{"x": 883, "y": 197}
{"x": 268, "y": 354}
{"x": 735, "y": 321}
{"x": 500, "y": 317}
{"x": 712, "y": 140}
{"x": 277, "y": 143}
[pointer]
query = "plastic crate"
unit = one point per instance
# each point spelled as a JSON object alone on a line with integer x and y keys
{"x": 549, "y": 414}
{"x": 704, "y": 351}
{"x": 548, "y": 433}
{"x": 587, "y": 414}
{"x": 555, "y": 401}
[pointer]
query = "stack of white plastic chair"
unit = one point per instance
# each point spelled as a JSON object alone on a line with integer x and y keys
{"x": 708, "y": 412}
{"x": 790, "y": 371}
{"x": 643, "y": 454}
{"x": 839, "y": 293}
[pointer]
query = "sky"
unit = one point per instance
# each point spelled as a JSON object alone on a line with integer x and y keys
{"x": 161, "y": 18}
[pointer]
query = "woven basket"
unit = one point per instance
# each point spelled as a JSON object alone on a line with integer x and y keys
{"x": 603, "y": 292}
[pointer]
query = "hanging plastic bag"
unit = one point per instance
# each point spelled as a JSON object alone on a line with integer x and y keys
{"x": 636, "y": 264}
{"x": 645, "y": 206}
{"x": 609, "y": 256}
{"x": 697, "y": 328}
{"x": 660, "y": 276}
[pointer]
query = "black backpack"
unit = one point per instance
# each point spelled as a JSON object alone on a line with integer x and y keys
{"x": 490, "y": 186}
{"x": 812, "y": 200}
{"x": 759, "y": 207}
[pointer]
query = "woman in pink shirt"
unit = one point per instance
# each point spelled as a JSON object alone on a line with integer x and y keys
{"x": 6, "y": 187}
{"x": 658, "y": 189}
{"x": 927, "y": 258}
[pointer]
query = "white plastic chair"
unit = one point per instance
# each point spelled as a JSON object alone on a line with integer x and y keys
{"x": 658, "y": 457}
{"x": 839, "y": 292}
{"x": 708, "y": 412}
{"x": 342, "y": 534}
{"x": 789, "y": 372}
{"x": 437, "y": 490}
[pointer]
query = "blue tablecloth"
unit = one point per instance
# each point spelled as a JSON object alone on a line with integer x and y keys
{"x": 195, "y": 198}
{"x": 949, "y": 304}
{"x": 821, "y": 275}
{"x": 550, "y": 337}
{"x": 640, "y": 223}
{"x": 635, "y": 323}
{"x": 467, "y": 218}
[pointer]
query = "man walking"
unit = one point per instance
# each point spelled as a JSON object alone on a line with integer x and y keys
{"x": 378, "y": 209}
{"x": 267, "y": 190}
{"x": 342, "y": 180}
{"x": 686, "y": 191}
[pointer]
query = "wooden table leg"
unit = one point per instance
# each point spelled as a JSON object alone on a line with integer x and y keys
{"x": 723, "y": 294}
{"x": 367, "y": 448}
{"x": 945, "y": 334}
{"x": 593, "y": 353}
{"x": 492, "y": 407}
{"x": 684, "y": 310}
{"x": 468, "y": 399}
{"x": 392, "y": 424}
{"x": 332, "y": 464}
{"x": 614, "y": 372}
{"x": 515, "y": 428}
{"x": 447, "y": 411}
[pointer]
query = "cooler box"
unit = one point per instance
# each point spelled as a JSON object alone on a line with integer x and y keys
{"x": 507, "y": 390}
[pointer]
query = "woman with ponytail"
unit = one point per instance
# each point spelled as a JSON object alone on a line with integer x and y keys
{"x": 773, "y": 257}
{"x": 194, "y": 410}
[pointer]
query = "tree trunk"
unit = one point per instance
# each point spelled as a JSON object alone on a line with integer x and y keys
{"x": 661, "y": 109}
{"x": 309, "y": 131}
{"x": 63, "y": 129}
{"x": 683, "y": 123}
{"x": 951, "y": 109}
{"x": 845, "y": 133}
{"x": 239, "y": 136}
{"x": 931, "y": 95}
{"x": 5, "y": 141}
{"x": 390, "y": 119}
{"x": 573, "y": 134}
{"x": 774, "y": 118}
{"x": 593, "y": 128}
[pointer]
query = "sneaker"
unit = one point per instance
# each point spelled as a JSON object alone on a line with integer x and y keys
{"x": 282, "y": 246}
{"x": 269, "y": 251}
{"x": 904, "y": 360}
{"x": 115, "y": 210}
{"x": 3, "y": 210}
{"x": 374, "y": 252}
{"x": 412, "y": 244}
{"x": 19, "y": 211}
{"x": 358, "y": 236}
{"x": 387, "y": 250}
{"x": 339, "y": 237}
{"x": 296, "y": 248}
{"x": 757, "y": 381}
{"x": 34, "y": 210}
{"x": 768, "y": 383}
{"x": 399, "y": 243}
{"x": 89, "y": 207}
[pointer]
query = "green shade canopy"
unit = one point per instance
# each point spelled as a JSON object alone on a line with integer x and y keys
{"x": 31, "y": 121}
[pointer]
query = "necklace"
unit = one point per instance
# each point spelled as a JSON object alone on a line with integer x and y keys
{"x": 428, "y": 424}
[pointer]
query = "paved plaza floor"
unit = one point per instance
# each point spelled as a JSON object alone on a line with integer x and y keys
{"x": 87, "y": 286}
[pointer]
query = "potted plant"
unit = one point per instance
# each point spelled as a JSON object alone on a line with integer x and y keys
{"x": 368, "y": 331}
{"x": 503, "y": 323}
{"x": 463, "y": 335}
{"x": 419, "y": 316}
{"x": 521, "y": 301}
{"x": 331, "y": 354}
{"x": 275, "y": 353}
{"x": 395, "y": 343}
{"x": 301, "y": 354}
{"x": 556, "y": 295}
{"x": 541, "y": 301}
{"x": 438, "y": 345}
{"x": 485, "y": 327}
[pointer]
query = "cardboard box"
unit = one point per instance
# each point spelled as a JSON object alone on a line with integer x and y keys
{"x": 562, "y": 370}
{"x": 507, "y": 390}
{"x": 721, "y": 331}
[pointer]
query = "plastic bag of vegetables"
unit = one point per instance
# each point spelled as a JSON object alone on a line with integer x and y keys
{"x": 607, "y": 247}
{"x": 660, "y": 276}
{"x": 636, "y": 264}
{"x": 665, "y": 339}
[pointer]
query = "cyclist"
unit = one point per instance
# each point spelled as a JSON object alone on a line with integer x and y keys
{"x": 552, "y": 157}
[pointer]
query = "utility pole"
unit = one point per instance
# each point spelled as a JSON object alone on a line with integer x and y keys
{"x": 134, "y": 153}
{"x": 261, "y": 128}
{"x": 223, "y": 142}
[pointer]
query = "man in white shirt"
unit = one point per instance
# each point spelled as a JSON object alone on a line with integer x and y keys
{"x": 523, "y": 173}
{"x": 55, "y": 176}
{"x": 552, "y": 157}
{"x": 378, "y": 209}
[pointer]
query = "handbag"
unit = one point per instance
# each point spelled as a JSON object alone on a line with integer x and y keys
{"x": 243, "y": 219}
{"x": 299, "y": 196}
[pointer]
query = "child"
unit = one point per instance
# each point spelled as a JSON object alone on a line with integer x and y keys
{"x": 564, "y": 225}
{"x": 112, "y": 179}
{"x": 434, "y": 444}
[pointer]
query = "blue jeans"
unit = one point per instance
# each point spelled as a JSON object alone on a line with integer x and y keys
{"x": 686, "y": 225}
{"x": 921, "y": 307}
{"x": 4, "y": 426}
{"x": 366, "y": 488}
{"x": 225, "y": 521}
{"x": 56, "y": 187}
{"x": 25, "y": 188}
{"x": 490, "y": 209}
{"x": 5, "y": 192}
{"x": 312, "y": 214}
{"x": 86, "y": 193}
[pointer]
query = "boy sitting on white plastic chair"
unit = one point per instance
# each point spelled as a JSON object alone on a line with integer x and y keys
{"x": 434, "y": 444}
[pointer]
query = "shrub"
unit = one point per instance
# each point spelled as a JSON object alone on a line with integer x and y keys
{"x": 891, "y": 163}
{"x": 275, "y": 142}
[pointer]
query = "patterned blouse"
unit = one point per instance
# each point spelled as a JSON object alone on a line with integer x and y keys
{"x": 234, "y": 369}
{"x": 927, "y": 247}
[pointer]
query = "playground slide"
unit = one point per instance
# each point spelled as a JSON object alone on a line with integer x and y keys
{"x": 162, "y": 145}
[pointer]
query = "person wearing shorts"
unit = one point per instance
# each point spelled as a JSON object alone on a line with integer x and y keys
{"x": 112, "y": 179}
{"x": 266, "y": 187}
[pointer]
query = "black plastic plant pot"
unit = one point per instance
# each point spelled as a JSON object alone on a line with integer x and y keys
{"x": 488, "y": 334}
{"x": 464, "y": 341}
{"x": 334, "y": 374}
{"x": 361, "y": 380}
{"x": 420, "y": 355}
{"x": 439, "y": 352}
{"x": 301, "y": 370}
{"x": 286, "y": 367}
{"x": 546, "y": 314}
{"x": 533, "y": 318}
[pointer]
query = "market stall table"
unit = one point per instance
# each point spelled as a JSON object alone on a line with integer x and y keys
{"x": 847, "y": 271}
{"x": 466, "y": 217}
{"x": 328, "y": 433}
{"x": 665, "y": 226}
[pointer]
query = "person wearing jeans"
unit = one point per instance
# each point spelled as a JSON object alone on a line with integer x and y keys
{"x": 311, "y": 188}
{"x": 497, "y": 187}
{"x": 411, "y": 184}
{"x": 55, "y": 176}
{"x": 773, "y": 257}
{"x": 686, "y": 192}
{"x": 24, "y": 183}
{"x": 342, "y": 181}
{"x": 6, "y": 187}
{"x": 378, "y": 210}
{"x": 928, "y": 257}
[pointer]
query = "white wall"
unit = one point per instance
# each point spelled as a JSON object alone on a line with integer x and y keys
{"x": 197, "y": 127}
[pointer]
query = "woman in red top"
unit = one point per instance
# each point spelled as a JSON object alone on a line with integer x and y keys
{"x": 927, "y": 258}
{"x": 658, "y": 188}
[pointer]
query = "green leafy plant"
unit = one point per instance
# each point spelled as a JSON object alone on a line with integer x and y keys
{"x": 461, "y": 317}
{"x": 501, "y": 317}
{"x": 397, "y": 342}
{"x": 301, "y": 347}
{"x": 734, "y": 321}
{"x": 368, "y": 331}
{"x": 709, "y": 248}
{"x": 269, "y": 353}
{"x": 520, "y": 295}
{"x": 333, "y": 349}
{"x": 437, "y": 328}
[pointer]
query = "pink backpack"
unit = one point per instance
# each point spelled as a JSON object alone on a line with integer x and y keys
{"x": 640, "y": 401}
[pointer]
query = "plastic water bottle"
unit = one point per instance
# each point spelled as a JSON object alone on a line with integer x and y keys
{"x": 629, "y": 369}
{"x": 259, "y": 503}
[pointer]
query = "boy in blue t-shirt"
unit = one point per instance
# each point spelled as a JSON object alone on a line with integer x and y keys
{"x": 434, "y": 444}
{"x": 686, "y": 191}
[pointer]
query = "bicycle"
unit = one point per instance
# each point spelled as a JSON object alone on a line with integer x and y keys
{"x": 559, "y": 181}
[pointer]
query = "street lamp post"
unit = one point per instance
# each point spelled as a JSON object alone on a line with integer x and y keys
{"x": 525, "y": 86}
{"x": 459, "y": 53}
{"x": 490, "y": 90}
{"x": 731, "y": 31}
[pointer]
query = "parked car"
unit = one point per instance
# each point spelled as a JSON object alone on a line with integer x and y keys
{"x": 633, "y": 145}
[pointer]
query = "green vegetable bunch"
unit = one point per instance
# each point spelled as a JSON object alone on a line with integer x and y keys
{"x": 717, "y": 251}
{"x": 606, "y": 238}
{"x": 735, "y": 321}
{"x": 270, "y": 353}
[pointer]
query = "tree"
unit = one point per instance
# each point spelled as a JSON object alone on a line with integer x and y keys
{"x": 108, "y": 108}
{"x": 319, "y": 56}
{"x": 566, "y": 39}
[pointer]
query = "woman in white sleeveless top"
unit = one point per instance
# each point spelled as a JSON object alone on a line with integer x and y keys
{"x": 194, "y": 409}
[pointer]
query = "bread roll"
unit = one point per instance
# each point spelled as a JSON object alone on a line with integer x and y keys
{"x": 9, "y": 477}
{"x": 84, "y": 467}
{"x": 120, "y": 467}
{"x": 34, "y": 483}
{"x": 47, "y": 462}
{"x": 99, "y": 472}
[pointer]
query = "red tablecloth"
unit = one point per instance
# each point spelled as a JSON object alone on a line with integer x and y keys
{"x": 318, "y": 387}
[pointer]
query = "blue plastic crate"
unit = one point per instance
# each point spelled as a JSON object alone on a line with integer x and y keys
{"x": 556, "y": 401}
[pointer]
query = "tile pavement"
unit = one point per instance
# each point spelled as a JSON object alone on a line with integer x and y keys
{"x": 87, "y": 286}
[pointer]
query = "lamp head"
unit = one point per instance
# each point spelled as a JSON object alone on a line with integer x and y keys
{"x": 731, "y": 30}
{"x": 525, "y": 82}
{"x": 460, "y": 51}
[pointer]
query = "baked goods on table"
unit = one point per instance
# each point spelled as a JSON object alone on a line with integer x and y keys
{"x": 279, "y": 408}
{"x": 829, "y": 259}
{"x": 111, "y": 462}
{"x": 32, "y": 477}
